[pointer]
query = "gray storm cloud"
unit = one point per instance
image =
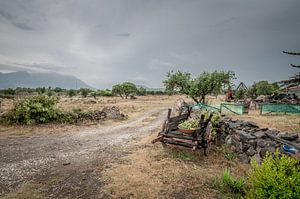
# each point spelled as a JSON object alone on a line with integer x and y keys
{"x": 104, "y": 42}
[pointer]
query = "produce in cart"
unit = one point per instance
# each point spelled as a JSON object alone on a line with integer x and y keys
{"x": 189, "y": 126}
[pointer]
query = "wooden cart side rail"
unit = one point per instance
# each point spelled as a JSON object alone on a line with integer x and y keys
{"x": 181, "y": 137}
{"x": 179, "y": 117}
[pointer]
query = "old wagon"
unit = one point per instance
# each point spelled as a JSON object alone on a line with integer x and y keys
{"x": 171, "y": 134}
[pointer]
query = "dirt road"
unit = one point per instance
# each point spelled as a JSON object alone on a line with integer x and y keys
{"x": 68, "y": 164}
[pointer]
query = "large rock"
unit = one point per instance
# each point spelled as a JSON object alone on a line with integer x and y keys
{"x": 244, "y": 136}
{"x": 113, "y": 112}
{"x": 288, "y": 136}
{"x": 251, "y": 151}
{"x": 263, "y": 151}
{"x": 243, "y": 158}
{"x": 251, "y": 124}
{"x": 260, "y": 134}
{"x": 261, "y": 143}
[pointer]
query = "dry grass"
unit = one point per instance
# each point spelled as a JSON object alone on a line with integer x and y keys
{"x": 26, "y": 191}
{"x": 154, "y": 171}
{"x": 132, "y": 108}
{"x": 288, "y": 123}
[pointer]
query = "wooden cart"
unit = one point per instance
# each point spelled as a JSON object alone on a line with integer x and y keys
{"x": 171, "y": 135}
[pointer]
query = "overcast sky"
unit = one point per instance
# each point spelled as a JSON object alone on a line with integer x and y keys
{"x": 104, "y": 42}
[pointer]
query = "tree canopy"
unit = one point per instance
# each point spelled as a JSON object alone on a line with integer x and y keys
{"x": 262, "y": 88}
{"x": 125, "y": 89}
{"x": 295, "y": 80}
{"x": 197, "y": 88}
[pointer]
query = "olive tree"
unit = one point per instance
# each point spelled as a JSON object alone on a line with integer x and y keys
{"x": 197, "y": 88}
{"x": 262, "y": 88}
{"x": 125, "y": 89}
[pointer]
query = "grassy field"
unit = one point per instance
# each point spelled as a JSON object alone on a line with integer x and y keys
{"x": 153, "y": 170}
{"x": 157, "y": 171}
{"x": 132, "y": 108}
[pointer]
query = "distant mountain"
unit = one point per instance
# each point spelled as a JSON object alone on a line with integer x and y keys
{"x": 33, "y": 80}
{"x": 151, "y": 89}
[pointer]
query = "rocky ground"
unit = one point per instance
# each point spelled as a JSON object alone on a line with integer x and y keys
{"x": 68, "y": 164}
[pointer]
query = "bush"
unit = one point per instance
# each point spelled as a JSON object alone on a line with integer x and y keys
{"x": 105, "y": 93}
{"x": 9, "y": 91}
{"x": 72, "y": 92}
{"x": 229, "y": 185}
{"x": 38, "y": 109}
{"x": 277, "y": 177}
{"x": 42, "y": 109}
{"x": 185, "y": 156}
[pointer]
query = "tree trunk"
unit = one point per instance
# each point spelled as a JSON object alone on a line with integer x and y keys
{"x": 195, "y": 99}
{"x": 203, "y": 98}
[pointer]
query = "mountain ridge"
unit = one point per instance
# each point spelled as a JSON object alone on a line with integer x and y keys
{"x": 33, "y": 80}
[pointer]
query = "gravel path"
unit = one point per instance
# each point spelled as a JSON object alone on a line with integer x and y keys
{"x": 68, "y": 163}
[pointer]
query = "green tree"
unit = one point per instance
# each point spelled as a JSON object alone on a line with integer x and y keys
{"x": 129, "y": 89}
{"x": 197, "y": 88}
{"x": 294, "y": 80}
{"x": 84, "y": 91}
{"x": 105, "y": 93}
{"x": 117, "y": 90}
{"x": 240, "y": 94}
{"x": 72, "y": 92}
{"x": 141, "y": 91}
{"x": 262, "y": 88}
{"x": 9, "y": 91}
{"x": 125, "y": 89}
{"x": 58, "y": 90}
{"x": 94, "y": 94}
{"x": 41, "y": 90}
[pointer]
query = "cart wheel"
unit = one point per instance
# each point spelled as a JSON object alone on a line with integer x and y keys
{"x": 163, "y": 144}
{"x": 164, "y": 126}
{"x": 207, "y": 145}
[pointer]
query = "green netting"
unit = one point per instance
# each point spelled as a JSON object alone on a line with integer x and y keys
{"x": 232, "y": 108}
{"x": 280, "y": 108}
{"x": 206, "y": 107}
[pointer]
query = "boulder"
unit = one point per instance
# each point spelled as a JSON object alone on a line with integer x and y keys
{"x": 261, "y": 143}
{"x": 251, "y": 124}
{"x": 260, "y": 134}
{"x": 251, "y": 151}
{"x": 244, "y": 136}
{"x": 288, "y": 136}
{"x": 113, "y": 112}
{"x": 243, "y": 158}
{"x": 263, "y": 151}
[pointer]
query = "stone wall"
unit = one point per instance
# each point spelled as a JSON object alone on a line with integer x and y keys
{"x": 249, "y": 141}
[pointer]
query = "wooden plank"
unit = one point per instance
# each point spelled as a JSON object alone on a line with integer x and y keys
{"x": 172, "y": 126}
{"x": 179, "y": 118}
{"x": 181, "y": 144}
{"x": 171, "y": 135}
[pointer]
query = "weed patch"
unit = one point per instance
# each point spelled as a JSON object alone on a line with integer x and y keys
{"x": 185, "y": 156}
{"x": 228, "y": 185}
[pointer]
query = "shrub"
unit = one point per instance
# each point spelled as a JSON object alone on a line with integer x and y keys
{"x": 185, "y": 156}
{"x": 277, "y": 177}
{"x": 105, "y": 93}
{"x": 9, "y": 91}
{"x": 38, "y": 109}
{"x": 226, "y": 152}
{"x": 84, "y": 91}
{"x": 72, "y": 92}
{"x": 229, "y": 185}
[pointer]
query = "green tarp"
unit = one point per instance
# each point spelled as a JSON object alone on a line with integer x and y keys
{"x": 280, "y": 108}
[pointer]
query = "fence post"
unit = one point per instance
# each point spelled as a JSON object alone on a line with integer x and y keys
{"x": 221, "y": 105}
{"x": 261, "y": 106}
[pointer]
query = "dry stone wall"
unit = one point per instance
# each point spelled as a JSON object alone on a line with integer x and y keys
{"x": 249, "y": 141}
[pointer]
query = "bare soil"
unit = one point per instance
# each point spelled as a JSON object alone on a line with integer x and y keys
{"x": 65, "y": 161}
{"x": 112, "y": 159}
